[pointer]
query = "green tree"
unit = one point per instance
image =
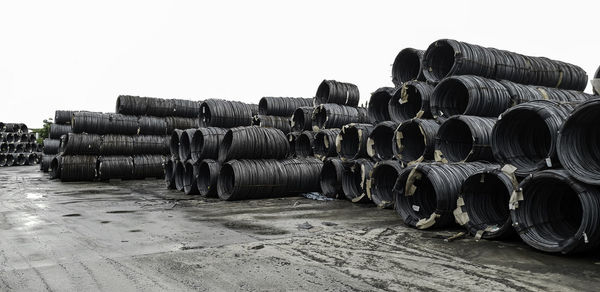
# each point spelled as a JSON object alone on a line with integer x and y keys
{"x": 44, "y": 132}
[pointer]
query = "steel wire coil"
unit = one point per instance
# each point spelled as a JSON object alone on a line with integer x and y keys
{"x": 116, "y": 145}
{"x": 281, "y": 123}
{"x": 281, "y": 106}
{"x": 174, "y": 143}
{"x": 520, "y": 93}
{"x": 380, "y": 144}
{"x": 553, "y": 212}
{"x": 292, "y": 138}
{"x": 329, "y": 116}
{"x": 21, "y": 159}
{"x": 208, "y": 173}
{"x": 411, "y": 100}
{"x": 51, "y": 146}
{"x": 80, "y": 144}
{"x": 331, "y": 91}
{"x": 179, "y": 174}
{"x": 190, "y": 178}
{"x": 63, "y": 117}
{"x": 151, "y": 144}
{"x": 464, "y": 139}
{"x": 324, "y": 143}
{"x": 426, "y": 193}
{"x": 148, "y": 166}
{"x": 448, "y": 57}
{"x": 577, "y": 143}
{"x": 414, "y": 140}
{"x": 180, "y": 123}
{"x": 185, "y": 144}
{"x": 55, "y": 167}
{"x": 378, "y": 105}
{"x": 2, "y": 159}
{"x": 469, "y": 95}
{"x": 304, "y": 144}
{"x": 152, "y": 126}
{"x": 14, "y": 128}
{"x": 239, "y": 180}
{"x": 100, "y": 123}
{"x": 302, "y": 175}
{"x": 78, "y": 168}
{"x": 354, "y": 180}
{"x": 301, "y": 119}
{"x": 408, "y": 66}
{"x": 381, "y": 181}
{"x": 226, "y": 114}
{"x": 351, "y": 142}
{"x": 482, "y": 205}
{"x": 205, "y": 143}
{"x": 253, "y": 143}
{"x": 331, "y": 178}
{"x": 115, "y": 167}
{"x": 44, "y": 163}
{"x": 525, "y": 136}
{"x": 56, "y": 130}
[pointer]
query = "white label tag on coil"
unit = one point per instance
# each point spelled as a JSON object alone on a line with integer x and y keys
{"x": 416, "y": 208}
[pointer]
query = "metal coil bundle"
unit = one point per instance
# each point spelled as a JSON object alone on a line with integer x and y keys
{"x": 465, "y": 138}
{"x": 351, "y": 142}
{"x": 208, "y": 173}
{"x": 152, "y": 126}
{"x": 190, "y": 178}
{"x": 448, "y": 57}
{"x": 469, "y": 95}
{"x": 292, "y": 138}
{"x": 328, "y": 116}
{"x": 174, "y": 143}
{"x": 414, "y": 140}
{"x": 14, "y": 128}
{"x": 577, "y": 146}
{"x": 380, "y": 144}
{"x": 520, "y": 93}
{"x": 553, "y": 212}
{"x": 525, "y": 136}
{"x": 115, "y": 145}
{"x": 411, "y": 100}
{"x": 140, "y": 106}
{"x": 56, "y": 130}
{"x": 185, "y": 144}
{"x": 145, "y": 166}
{"x": 304, "y": 144}
{"x": 115, "y": 167}
{"x": 324, "y": 143}
{"x": 100, "y": 123}
{"x": 238, "y": 180}
{"x": 380, "y": 185}
{"x": 426, "y": 193}
{"x": 226, "y": 114}
{"x": 281, "y": 123}
{"x": 55, "y": 167}
{"x": 253, "y": 143}
{"x": 146, "y": 144}
{"x": 331, "y": 178}
{"x": 408, "y": 66}
{"x": 281, "y": 106}
{"x": 44, "y": 163}
{"x": 179, "y": 174}
{"x": 180, "y": 123}
{"x": 77, "y": 168}
{"x": 354, "y": 180}
{"x": 302, "y": 175}
{"x": 63, "y": 117}
{"x": 301, "y": 119}
{"x": 378, "y": 105}
{"x": 80, "y": 144}
{"x": 482, "y": 205}
{"x": 205, "y": 143}
{"x": 331, "y": 91}
{"x": 51, "y": 146}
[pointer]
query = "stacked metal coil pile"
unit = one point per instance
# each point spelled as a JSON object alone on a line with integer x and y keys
{"x": 482, "y": 136}
{"x": 18, "y": 146}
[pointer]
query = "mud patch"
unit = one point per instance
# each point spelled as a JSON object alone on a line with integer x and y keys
{"x": 253, "y": 228}
{"x": 72, "y": 215}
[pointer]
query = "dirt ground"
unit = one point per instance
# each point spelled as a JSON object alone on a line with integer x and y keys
{"x": 137, "y": 235}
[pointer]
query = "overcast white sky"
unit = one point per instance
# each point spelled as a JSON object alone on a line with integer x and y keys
{"x": 83, "y": 54}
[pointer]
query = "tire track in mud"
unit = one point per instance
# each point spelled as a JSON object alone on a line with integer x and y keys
{"x": 377, "y": 259}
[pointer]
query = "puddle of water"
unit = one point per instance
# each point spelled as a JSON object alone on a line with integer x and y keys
{"x": 34, "y": 196}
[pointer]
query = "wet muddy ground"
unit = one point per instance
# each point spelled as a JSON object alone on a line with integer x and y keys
{"x": 137, "y": 235}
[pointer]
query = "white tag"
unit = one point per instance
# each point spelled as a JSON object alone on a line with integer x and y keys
{"x": 416, "y": 208}
{"x": 548, "y": 162}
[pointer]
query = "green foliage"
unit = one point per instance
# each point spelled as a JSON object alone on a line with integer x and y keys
{"x": 44, "y": 132}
